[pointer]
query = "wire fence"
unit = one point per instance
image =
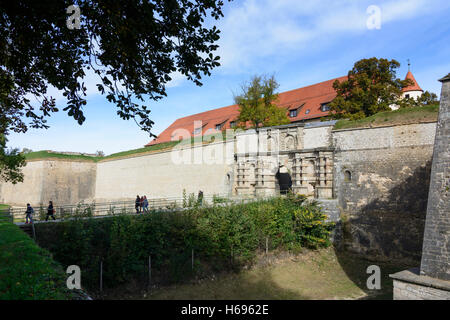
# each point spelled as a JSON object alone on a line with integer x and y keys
{"x": 61, "y": 212}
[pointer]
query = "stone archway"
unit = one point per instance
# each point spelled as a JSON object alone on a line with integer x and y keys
{"x": 284, "y": 180}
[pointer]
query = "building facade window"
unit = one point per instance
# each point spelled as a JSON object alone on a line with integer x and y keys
{"x": 197, "y": 131}
{"x": 325, "y": 107}
{"x": 233, "y": 124}
{"x": 219, "y": 126}
{"x": 347, "y": 176}
{"x": 293, "y": 113}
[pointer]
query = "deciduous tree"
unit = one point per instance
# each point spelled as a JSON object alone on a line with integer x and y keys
{"x": 132, "y": 46}
{"x": 257, "y": 104}
{"x": 372, "y": 87}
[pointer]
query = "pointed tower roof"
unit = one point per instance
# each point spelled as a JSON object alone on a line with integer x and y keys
{"x": 413, "y": 87}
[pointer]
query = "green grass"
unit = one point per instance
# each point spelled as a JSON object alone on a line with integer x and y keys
{"x": 4, "y": 212}
{"x": 397, "y": 117}
{"x": 27, "y": 272}
{"x": 50, "y": 155}
{"x": 318, "y": 275}
{"x": 154, "y": 148}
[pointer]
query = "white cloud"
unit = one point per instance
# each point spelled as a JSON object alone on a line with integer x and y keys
{"x": 177, "y": 79}
{"x": 259, "y": 29}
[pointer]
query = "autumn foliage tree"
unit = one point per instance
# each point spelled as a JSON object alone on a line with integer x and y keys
{"x": 372, "y": 87}
{"x": 258, "y": 104}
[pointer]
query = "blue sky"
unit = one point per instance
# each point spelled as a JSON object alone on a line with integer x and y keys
{"x": 300, "y": 42}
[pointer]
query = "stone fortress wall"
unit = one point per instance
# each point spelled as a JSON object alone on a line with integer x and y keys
{"x": 63, "y": 181}
{"x": 378, "y": 177}
{"x": 382, "y": 181}
{"x": 208, "y": 168}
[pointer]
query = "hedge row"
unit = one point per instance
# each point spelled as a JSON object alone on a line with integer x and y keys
{"x": 220, "y": 237}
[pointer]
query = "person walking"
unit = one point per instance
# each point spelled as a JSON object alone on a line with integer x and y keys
{"x": 50, "y": 211}
{"x": 141, "y": 205}
{"x": 200, "y": 198}
{"x": 137, "y": 203}
{"x": 145, "y": 204}
{"x": 29, "y": 214}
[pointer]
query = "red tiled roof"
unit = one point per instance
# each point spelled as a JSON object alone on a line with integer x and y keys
{"x": 308, "y": 98}
{"x": 413, "y": 87}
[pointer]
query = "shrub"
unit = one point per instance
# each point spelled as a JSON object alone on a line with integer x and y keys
{"x": 222, "y": 237}
{"x": 217, "y": 199}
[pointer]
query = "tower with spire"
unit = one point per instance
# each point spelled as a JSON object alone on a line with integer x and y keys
{"x": 412, "y": 91}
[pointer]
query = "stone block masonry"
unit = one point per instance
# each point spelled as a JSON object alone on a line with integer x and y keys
{"x": 433, "y": 280}
{"x": 379, "y": 177}
{"x": 381, "y": 181}
{"x": 436, "y": 244}
{"x": 60, "y": 180}
{"x": 409, "y": 285}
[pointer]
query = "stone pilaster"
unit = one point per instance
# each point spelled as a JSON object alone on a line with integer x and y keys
{"x": 433, "y": 280}
{"x": 436, "y": 242}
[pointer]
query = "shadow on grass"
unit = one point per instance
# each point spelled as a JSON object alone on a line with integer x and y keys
{"x": 234, "y": 286}
{"x": 387, "y": 232}
{"x": 355, "y": 266}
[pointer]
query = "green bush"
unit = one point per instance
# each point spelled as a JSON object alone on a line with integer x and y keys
{"x": 222, "y": 237}
{"x": 217, "y": 199}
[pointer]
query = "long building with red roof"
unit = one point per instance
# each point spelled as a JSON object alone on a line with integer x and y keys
{"x": 302, "y": 105}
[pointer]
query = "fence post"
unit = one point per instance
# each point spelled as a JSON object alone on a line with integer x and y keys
{"x": 231, "y": 255}
{"x": 32, "y": 227}
{"x": 149, "y": 270}
{"x": 101, "y": 275}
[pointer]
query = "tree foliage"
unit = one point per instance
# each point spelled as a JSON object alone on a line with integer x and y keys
{"x": 372, "y": 87}
{"x": 132, "y": 47}
{"x": 257, "y": 104}
{"x": 11, "y": 162}
{"x": 426, "y": 99}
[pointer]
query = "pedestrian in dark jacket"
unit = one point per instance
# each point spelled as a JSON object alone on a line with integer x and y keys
{"x": 50, "y": 211}
{"x": 29, "y": 213}
{"x": 200, "y": 198}
{"x": 137, "y": 203}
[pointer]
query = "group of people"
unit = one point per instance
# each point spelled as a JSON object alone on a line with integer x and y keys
{"x": 141, "y": 204}
{"x": 30, "y": 211}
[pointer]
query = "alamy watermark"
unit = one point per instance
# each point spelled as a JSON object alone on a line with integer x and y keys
{"x": 374, "y": 19}
{"x": 74, "y": 20}
{"x": 74, "y": 280}
{"x": 374, "y": 281}
{"x": 219, "y": 147}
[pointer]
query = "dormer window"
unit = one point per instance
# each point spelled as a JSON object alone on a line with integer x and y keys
{"x": 293, "y": 113}
{"x": 325, "y": 107}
